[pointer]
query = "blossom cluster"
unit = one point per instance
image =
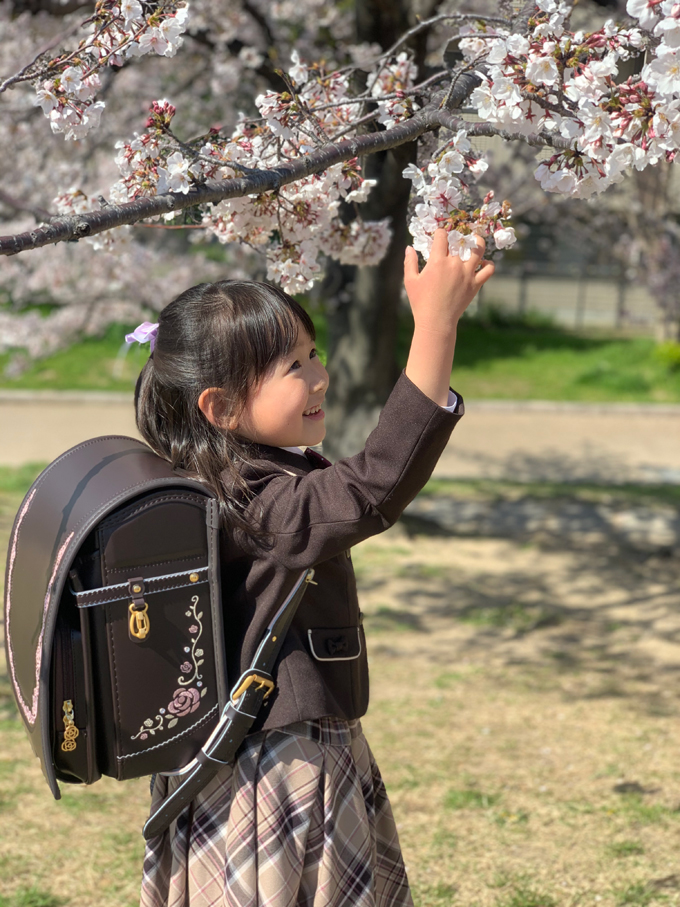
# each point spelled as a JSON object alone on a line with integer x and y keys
{"x": 120, "y": 30}
{"x": 564, "y": 85}
{"x": 549, "y": 84}
{"x": 389, "y": 84}
{"x": 300, "y": 223}
{"x": 441, "y": 191}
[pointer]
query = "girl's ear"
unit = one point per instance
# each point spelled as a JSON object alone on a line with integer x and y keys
{"x": 213, "y": 405}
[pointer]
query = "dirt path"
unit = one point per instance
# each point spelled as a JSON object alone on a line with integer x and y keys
{"x": 524, "y": 442}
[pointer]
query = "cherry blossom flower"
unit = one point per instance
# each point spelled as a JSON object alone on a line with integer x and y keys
{"x": 174, "y": 177}
{"x": 462, "y": 244}
{"x": 131, "y": 10}
{"x": 663, "y": 73}
{"x": 298, "y": 71}
{"x": 542, "y": 70}
{"x": 504, "y": 237}
{"x": 645, "y": 11}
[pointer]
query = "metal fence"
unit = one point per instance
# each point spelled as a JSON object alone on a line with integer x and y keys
{"x": 589, "y": 299}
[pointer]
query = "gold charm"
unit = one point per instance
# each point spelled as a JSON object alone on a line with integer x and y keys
{"x": 70, "y": 729}
{"x": 139, "y": 622}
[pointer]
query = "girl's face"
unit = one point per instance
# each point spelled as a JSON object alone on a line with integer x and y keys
{"x": 284, "y": 409}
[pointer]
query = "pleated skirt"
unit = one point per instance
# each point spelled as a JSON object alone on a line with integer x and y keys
{"x": 301, "y": 819}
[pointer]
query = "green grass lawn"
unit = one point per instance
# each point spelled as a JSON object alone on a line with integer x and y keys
{"x": 498, "y": 357}
{"x": 512, "y": 360}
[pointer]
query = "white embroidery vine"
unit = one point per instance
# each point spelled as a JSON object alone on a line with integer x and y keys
{"x": 195, "y": 654}
{"x": 184, "y": 701}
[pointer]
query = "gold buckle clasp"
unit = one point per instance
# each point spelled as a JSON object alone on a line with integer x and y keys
{"x": 261, "y": 682}
{"x": 139, "y": 621}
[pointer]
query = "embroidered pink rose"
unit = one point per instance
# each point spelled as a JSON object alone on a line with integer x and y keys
{"x": 185, "y": 668}
{"x": 184, "y": 702}
{"x": 193, "y": 629}
{"x": 142, "y": 736}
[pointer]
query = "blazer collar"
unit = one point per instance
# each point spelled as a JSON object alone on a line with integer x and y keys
{"x": 301, "y": 463}
{"x": 296, "y": 463}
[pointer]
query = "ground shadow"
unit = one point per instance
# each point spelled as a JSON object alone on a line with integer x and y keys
{"x": 610, "y": 624}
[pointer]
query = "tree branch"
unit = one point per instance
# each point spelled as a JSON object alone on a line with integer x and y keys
{"x": 74, "y": 227}
{"x": 453, "y": 123}
{"x": 24, "y": 73}
{"x": 17, "y": 204}
{"x": 539, "y": 139}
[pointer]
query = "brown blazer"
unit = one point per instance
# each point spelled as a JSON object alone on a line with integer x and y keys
{"x": 315, "y": 513}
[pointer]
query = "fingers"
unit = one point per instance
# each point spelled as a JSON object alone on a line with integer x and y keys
{"x": 486, "y": 270}
{"x": 480, "y": 248}
{"x": 410, "y": 264}
{"x": 440, "y": 245}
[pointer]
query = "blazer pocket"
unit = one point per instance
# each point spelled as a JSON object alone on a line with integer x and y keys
{"x": 335, "y": 643}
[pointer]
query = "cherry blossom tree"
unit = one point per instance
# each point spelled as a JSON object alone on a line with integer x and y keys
{"x": 336, "y": 117}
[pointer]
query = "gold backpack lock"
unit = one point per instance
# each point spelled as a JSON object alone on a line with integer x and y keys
{"x": 70, "y": 729}
{"x": 139, "y": 623}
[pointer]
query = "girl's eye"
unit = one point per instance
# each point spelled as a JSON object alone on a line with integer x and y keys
{"x": 295, "y": 365}
{"x": 313, "y": 354}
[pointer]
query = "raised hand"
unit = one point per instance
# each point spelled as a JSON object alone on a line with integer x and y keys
{"x": 439, "y": 294}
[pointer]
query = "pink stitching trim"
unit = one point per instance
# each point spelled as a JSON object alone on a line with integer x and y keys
{"x": 30, "y": 713}
{"x": 8, "y": 603}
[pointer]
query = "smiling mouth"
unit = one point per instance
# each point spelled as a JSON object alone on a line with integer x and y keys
{"x": 314, "y": 411}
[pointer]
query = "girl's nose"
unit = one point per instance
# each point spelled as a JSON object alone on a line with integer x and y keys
{"x": 320, "y": 380}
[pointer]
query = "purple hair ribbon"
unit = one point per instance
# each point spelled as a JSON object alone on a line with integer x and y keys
{"x": 145, "y": 332}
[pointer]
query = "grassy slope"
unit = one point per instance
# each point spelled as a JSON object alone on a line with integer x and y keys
{"x": 495, "y": 358}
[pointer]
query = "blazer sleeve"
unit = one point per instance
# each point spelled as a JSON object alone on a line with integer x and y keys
{"x": 319, "y": 515}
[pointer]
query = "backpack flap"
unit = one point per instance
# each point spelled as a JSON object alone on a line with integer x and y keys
{"x": 155, "y": 627}
{"x": 61, "y": 510}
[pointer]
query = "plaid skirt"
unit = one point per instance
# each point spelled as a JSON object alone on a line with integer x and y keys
{"x": 301, "y": 819}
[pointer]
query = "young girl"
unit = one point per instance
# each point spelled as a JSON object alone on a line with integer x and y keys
{"x": 233, "y": 391}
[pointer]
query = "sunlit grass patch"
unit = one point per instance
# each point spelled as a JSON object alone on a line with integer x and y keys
{"x": 18, "y": 479}
{"x": 470, "y": 799}
{"x": 422, "y": 571}
{"x": 502, "y": 490}
{"x": 523, "y": 361}
{"x": 439, "y": 894}
{"x": 638, "y": 810}
{"x": 386, "y": 618}
{"x": 515, "y": 615}
{"x": 448, "y": 679}
{"x": 525, "y": 895}
{"x": 31, "y": 897}
{"x": 625, "y": 848}
{"x": 507, "y": 817}
{"x": 638, "y": 894}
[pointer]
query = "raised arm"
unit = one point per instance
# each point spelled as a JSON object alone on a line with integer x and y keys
{"x": 439, "y": 295}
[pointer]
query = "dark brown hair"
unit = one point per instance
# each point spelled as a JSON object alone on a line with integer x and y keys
{"x": 226, "y": 334}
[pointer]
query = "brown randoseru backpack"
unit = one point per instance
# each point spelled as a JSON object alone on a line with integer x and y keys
{"x": 114, "y": 624}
